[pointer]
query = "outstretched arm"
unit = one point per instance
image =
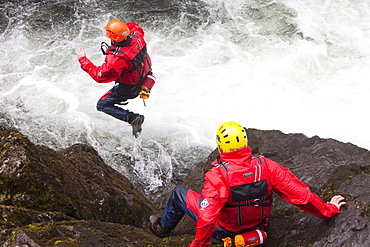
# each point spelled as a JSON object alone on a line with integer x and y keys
{"x": 109, "y": 71}
{"x": 294, "y": 191}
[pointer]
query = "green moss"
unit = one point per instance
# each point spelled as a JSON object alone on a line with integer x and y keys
{"x": 166, "y": 240}
{"x": 40, "y": 227}
{"x": 338, "y": 176}
{"x": 6, "y": 144}
{"x": 68, "y": 242}
{"x": 13, "y": 237}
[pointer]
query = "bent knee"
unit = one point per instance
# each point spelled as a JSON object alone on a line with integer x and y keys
{"x": 180, "y": 189}
{"x": 100, "y": 106}
{"x": 103, "y": 105}
{"x": 180, "y": 192}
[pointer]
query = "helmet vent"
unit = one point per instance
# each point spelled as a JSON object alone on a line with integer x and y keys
{"x": 237, "y": 138}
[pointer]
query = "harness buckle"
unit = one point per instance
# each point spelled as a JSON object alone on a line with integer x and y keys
{"x": 256, "y": 202}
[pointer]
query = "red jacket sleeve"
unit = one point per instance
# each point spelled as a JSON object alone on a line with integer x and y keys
{"x": 214, "y": 196}
{"x": 292, "y": 190}
{"x": 320, "y": 209}
{"x": 109, "y": 71}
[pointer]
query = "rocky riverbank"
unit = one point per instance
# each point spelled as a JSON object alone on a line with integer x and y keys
{"x": 72, "y": 198}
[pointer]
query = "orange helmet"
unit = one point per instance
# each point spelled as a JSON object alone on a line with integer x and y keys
{"x": 117, "y": 30}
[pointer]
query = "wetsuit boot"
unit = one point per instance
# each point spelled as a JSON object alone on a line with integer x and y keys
{"x": 135, "y": 120}
{"x": 156, "y": 226}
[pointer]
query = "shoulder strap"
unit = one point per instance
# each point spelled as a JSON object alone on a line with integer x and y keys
{"x": 137, "y": 61}
{"x": 259, "y": 158}
{"x": 103, "y": 47}
{"x": 222, "y": 164}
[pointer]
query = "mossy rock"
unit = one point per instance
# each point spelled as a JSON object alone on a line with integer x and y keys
{"x": 87, "y": 234}
{"x": 75, "y": 182}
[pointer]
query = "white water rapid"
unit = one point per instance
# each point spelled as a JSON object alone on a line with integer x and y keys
{"x": 294, "y": 66}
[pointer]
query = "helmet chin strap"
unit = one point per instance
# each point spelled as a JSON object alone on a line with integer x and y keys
{"x": 104, "y": 46}
{"x": 123, "y": 43}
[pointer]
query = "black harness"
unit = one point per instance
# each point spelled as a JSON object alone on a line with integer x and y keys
{"x": 137, "y": 61}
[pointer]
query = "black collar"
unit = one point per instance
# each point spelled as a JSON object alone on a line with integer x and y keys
{"x": 125, "y": 42}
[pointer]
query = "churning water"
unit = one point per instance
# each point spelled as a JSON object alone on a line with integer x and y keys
{"x": 295, "y": 66}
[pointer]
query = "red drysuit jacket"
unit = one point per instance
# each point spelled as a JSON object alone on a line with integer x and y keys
{"x": 118, "y": 65}
{"x": 243, "y": 168}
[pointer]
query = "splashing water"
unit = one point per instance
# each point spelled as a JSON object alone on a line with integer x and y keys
{"x": 295, "y": 66}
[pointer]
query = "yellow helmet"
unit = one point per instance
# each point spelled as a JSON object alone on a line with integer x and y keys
{"x": 230, "y": 136}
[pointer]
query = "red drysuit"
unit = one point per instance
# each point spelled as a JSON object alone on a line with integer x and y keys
{"x": 118, "y": 64}
{"x": 245, "y": 174}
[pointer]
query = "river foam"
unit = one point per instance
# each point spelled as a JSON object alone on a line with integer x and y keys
{"x": 288, "y": 65}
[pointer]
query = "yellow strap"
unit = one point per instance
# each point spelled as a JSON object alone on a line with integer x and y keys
{"x": 239, "y": 241}
{"x": 227, "y": 242}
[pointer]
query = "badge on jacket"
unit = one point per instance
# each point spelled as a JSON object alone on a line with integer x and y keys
{"x": 204, "y": 204}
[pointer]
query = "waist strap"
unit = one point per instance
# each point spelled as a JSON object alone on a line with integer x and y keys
{"x": 256, "y": 202}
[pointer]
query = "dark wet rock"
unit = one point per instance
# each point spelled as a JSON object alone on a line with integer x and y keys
{"x": 88, "y": 234}
{"x": 38, "y": 184}
{"x": 72, "y": 198}
{"x": 358, "y": 187}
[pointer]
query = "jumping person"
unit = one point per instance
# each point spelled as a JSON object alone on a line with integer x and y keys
{"x": 235, "y": 203}
{"x": 128, "y": 64}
